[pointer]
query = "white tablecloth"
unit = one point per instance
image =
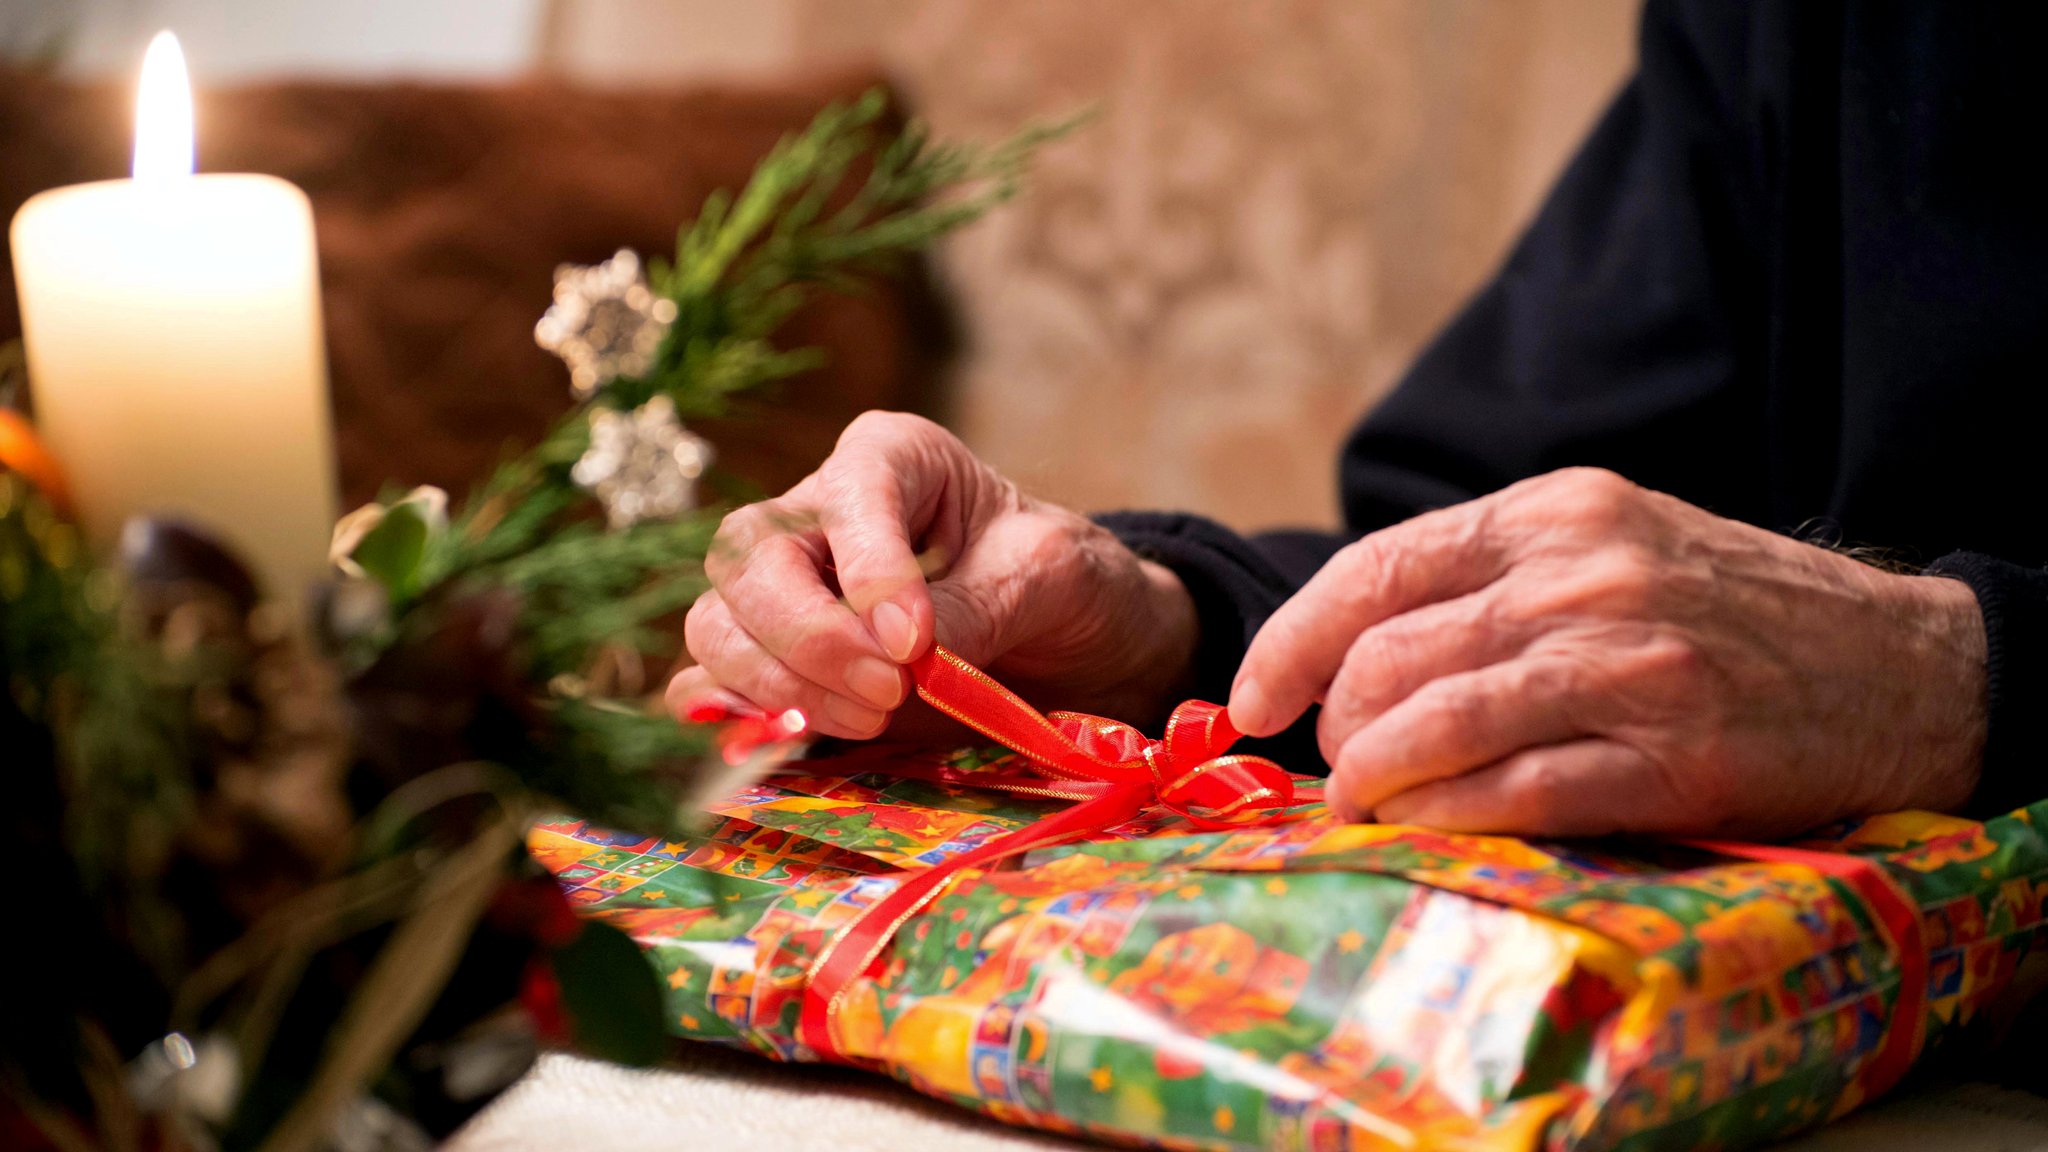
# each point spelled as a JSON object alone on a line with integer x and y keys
{"x": 713, "y": 1099}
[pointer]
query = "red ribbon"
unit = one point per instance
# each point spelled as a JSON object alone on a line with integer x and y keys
{"x": 1112, "y": 769}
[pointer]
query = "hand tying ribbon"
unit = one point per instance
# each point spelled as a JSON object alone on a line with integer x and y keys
{"x": 1111, "y": 768}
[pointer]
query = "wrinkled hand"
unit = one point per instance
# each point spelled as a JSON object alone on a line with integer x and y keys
{"x": 818, "y": 598}
{"x": 1576, "y": 655}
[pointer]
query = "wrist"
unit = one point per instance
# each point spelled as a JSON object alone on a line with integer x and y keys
{"x": 1950, "y": 648}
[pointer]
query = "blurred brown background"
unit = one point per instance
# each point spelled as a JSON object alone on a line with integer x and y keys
{"x": 1280, "y": 200}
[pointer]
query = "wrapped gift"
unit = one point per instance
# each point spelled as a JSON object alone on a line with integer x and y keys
{"x": 1094, "y": 936}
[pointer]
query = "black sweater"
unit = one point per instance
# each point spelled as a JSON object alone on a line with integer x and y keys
{"x": 1796, "y": 276}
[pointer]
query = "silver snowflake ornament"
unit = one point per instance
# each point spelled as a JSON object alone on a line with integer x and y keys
{"x": 643, "y": 464}
{"x": 605, "y": 322}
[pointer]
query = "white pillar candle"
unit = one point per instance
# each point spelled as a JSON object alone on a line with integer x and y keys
{"x": 172, "y": 325}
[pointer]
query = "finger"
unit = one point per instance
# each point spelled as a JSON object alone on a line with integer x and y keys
{"x": 884, "y": 485}
{"x": 693, "y": 687}
{"x": 743, "y": 529}
{"x": 1298, "y": 651}
{"x": 737, "y": 662}
{"x": 1457, "y": 724}
{"x": 776, "y": 592}
{"x": 1579, "y": 788}
{"x": 915, "y": 723}
{"x": 1392, "y": 660}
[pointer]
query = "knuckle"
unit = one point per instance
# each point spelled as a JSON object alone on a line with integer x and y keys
{"x": 710, "y": 636}
{"x": 742, "y": 524}
{"x": 1048, "y": 543}
{"x": 733, "y": 543}
{"x": 870, "y": 423}
{"x": 1348, "y": 775}
{"x": 1596, "y": 485}
{"x": 732, "y": 528}
{"x": 1386, "y": 650}
{"x": 1593, "y": 498}
{"x": 1380, "y": 661}
{"x": 1549, "y": 680}
{"x": 687, "y": 687}
{"x": 1333, "y": 729}
{"x": 1358, "y": 560}
{"x": 1452, "y": 707}
{"x": 1364, "y": 573}
{"x": 1545, "y": 789}
{"x": 817, "y": 649}
{"x": 1618, "y": 582}
{"x": 775, "y": 686}
{"x": 1671, "y": 655}
{"x": 697, "y": 624}
{"x": 755, "y": 577}
{"x": 884, "y": 427}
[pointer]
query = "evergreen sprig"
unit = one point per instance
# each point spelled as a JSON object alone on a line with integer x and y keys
{"x": 829, "y": 209}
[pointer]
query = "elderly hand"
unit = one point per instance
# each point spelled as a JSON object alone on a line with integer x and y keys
{"x": 818, "y": 598}
{"x": 1576, "y": 655}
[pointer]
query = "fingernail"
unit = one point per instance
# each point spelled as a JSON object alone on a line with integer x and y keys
{"x": 876, "y": 681}
{"x": 856, "y": 718}
{"x": 893, "y": 628}
{"x": 1248, "y": 710}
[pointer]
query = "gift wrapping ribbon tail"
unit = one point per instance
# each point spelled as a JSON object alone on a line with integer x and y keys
{"x": 1897, "y": 916}
{"x": 1110, "y": 768}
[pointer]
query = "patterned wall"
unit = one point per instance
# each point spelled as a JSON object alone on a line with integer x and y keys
{"x": 1280, "y": 201}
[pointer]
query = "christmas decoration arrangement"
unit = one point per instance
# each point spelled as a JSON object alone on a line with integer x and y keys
{"x": 1161, "y": 942}
{"x": 283, "y": 898}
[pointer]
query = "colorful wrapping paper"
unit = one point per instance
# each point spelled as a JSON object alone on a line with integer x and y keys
{"x": 1312, "y": 984}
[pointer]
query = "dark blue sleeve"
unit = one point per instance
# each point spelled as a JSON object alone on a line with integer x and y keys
{"x": 2014, "y": 600}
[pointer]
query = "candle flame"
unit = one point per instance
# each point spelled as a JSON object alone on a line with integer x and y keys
{"x": 163, "y": 113}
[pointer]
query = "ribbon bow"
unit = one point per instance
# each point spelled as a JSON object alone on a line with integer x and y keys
{"x": 1110, "y": 767}
{"x": 1187, "y": 772}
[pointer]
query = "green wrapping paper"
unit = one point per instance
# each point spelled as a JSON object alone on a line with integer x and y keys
{"x": 1312, "y": 984}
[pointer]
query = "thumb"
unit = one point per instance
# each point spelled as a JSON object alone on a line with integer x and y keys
{"x": 879, "y": 574}
{"x": 878, "y": 494}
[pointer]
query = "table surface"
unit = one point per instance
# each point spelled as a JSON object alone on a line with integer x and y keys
{"x": 710, "y": 1098}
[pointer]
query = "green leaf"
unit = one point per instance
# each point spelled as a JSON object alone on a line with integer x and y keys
{"x": 391, "y": 552}
{"x": 611, "y": 996}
